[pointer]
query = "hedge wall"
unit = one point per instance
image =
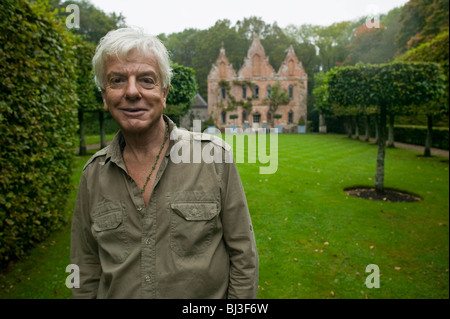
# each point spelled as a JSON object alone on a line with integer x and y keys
{"x": 37, "y": 125}
{"x": 417, "y": 135}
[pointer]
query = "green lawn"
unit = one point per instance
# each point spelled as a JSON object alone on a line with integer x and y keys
{"x": 314, "y": 240}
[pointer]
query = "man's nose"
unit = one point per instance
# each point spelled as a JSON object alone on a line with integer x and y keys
{"x": 132, "y": 90}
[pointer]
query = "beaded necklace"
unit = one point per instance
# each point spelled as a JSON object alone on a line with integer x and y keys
{"x": 166, "y": 135}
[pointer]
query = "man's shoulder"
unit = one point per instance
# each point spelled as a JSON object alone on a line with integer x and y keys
{"x": 201, "y": 137}
{"x": 97, "y": 155}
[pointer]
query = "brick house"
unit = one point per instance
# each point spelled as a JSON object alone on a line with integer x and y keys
{"x": 241, "y": 99}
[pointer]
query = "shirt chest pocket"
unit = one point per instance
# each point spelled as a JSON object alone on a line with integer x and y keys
{"x": 192, "y": 227}
{"x": 109, "y": 230}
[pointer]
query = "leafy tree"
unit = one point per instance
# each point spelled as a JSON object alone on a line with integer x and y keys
{"x": 277, "y": 97}
{"x": 181, "y": 93}
{"x": 387, "y": 86}
{"x": 94, "y": 23}
{"x": 331, "y": 42}
{"x": 436, "y": 50}
{"x": 89, "y": 99}
{"x": 374, "y": 45}
{"x": 421, "y": 20}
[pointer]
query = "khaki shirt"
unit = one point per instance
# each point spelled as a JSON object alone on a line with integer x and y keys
{"x": 193, "y": 240}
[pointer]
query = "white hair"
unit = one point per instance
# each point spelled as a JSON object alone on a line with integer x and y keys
{"x": 120, "y": 42}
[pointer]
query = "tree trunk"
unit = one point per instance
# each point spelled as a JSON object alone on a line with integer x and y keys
{"x": 83, "y": 149}
{"x": 429, "y": 134}
{"x": 379, "y": 176}
{"x": 391, "y": 132}
{"x": 322, "y": 124}
{"x": 355, "y": 124}
{"x": 377, "y": 133}
{"x": 366, "y": 127}
{"x": 101, "y": 119}
{"x": 348, "y": 122}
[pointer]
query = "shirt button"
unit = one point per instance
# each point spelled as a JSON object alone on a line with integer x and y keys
{"x": 139, "y": 208}
{"x": 147, "y": 278}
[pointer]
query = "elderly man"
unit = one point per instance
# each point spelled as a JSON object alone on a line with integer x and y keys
{"x": 145, "y": 226}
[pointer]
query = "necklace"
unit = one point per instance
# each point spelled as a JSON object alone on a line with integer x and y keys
{"x": 166, "y": 135}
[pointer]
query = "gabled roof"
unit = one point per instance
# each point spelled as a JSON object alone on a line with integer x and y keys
{"x": 199, "y": 102}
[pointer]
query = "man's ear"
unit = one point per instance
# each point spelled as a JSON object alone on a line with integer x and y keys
{"x": 166, "y": 92}
{"x": 105, "y": 106}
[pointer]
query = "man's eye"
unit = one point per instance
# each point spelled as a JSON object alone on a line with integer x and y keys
{"x": 148, "y": 80}
{"x": 116, "y": 80}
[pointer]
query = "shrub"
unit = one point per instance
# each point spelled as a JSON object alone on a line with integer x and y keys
{"x": 37, "y": 125}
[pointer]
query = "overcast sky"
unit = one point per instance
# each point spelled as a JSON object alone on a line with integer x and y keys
{"x": 169, "y": 16}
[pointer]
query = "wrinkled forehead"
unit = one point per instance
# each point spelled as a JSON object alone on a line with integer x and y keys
{"x": 132, "y": 56}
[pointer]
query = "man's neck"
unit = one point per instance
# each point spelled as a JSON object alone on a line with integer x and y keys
{"x": 139, "y": 147}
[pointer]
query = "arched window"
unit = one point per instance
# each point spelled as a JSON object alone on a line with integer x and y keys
{"x": 256, "y": 92}
{"x": 291, "y": 91}
{"x": 291, "y": 117}
{"x": 244, "y": 116}
{"x": 224, "y": 117}
{"x": 223, "y": 93}
{"x": 269, "y": 91}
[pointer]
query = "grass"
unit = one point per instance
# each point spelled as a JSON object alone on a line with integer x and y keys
{"x": 314, "y": 241}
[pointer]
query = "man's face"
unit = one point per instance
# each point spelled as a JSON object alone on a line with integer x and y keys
{"x": 133, "y": 92}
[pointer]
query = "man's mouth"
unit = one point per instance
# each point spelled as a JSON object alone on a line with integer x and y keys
{"x": 133, "y": 111}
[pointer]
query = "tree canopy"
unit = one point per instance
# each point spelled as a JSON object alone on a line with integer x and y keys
{"x": 389, "y": 87}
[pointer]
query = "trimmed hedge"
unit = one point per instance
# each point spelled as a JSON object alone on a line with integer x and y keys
{"x": 416, "y": 135}
{"x": 37, "y": 125}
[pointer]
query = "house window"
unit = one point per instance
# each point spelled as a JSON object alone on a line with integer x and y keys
{"x": 244, "y": 92}
{"x": 244, "y": 116}
{"x": 291, "y": 91}
{"x": 224, "y": 117}
{"x": 223, "y": 93}
{"x": 291, "y": 117}
{"x": 256, "y": 118}
{"x": 256, "y": 92}
{"x": 268, "y": 91}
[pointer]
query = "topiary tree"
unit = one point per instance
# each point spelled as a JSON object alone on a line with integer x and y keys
{"x": 436, "y": 50}
{"x": 389, "y": 87}
{"x": 37, "y": 125}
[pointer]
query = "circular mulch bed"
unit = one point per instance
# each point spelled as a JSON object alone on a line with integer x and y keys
{"x": 389, "y": 195}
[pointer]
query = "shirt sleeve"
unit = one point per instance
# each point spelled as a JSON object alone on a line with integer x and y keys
{"x": 239, "y": 237}
{"x": 83, "y": 248}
